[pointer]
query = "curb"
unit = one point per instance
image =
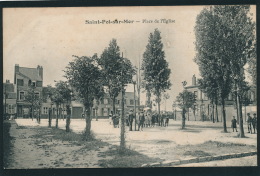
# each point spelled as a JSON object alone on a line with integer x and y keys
{"x": 200, "y": 159}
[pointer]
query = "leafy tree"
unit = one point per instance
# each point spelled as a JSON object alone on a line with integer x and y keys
{"x": 86, "y": 78}
{"x": 64, "y": 91}
{"x": 252, "y": 64}
{"x": 185, "y": 100}
{"x": 48, "y": 93}
{"x": 126, "y": 72}
{"x": 35, "y": 101}
{"x": 224, "y": 36}
{"x": 58, "y": 100}
{"x": 155, "y": 68}
{"x": 110, "y": 62}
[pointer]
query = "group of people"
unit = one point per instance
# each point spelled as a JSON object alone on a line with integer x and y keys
{"x": 251, "y": 123}
{"x": 143, "y": 118}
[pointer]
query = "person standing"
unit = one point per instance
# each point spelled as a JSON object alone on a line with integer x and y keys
{"x": 234, "y": 123}
{"x": 130, "y": 119}
{"x": 110, "y": 117}
{"x": 254, "y": 122}
{"x": 141, "y": 120}
{"x": 249, "y": 121}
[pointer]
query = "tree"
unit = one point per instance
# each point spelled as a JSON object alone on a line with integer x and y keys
{"x": 58, "y": 100}
{"x": 35, "y": 100}
{"x": 212, "y": 54}
{"x": 85, "y": 77}
{"x": 126, "y": 73}
{"x": 185, "y": 100}
{"x": 48, "y": 93}
{"x": 252, "y": 64}
{"x": 65, "y": 93}
{"x": 110, "y": 61}
{"x": 155, "y": 68}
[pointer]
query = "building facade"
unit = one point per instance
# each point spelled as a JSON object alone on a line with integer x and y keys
{"x": 23, "y": 78}
{"x": 9, "y": 99}
{"x": 203, "y": 108}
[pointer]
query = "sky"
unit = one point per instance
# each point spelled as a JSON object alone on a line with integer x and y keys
{"x": 50, "y": 36}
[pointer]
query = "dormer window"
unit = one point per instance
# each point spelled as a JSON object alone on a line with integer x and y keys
{"x": 33, "y": 84}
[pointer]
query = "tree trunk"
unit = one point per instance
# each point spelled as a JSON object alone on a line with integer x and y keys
{"x": 148, "y": 95}
{"x": 122, "y": 133}
{"x": 57, "y": 115}
{"x": 188, "y": 114}
{"x": 114, "y": 105}
{"x": 216, "y": 109}
{"x": 88, "y": 123}
{"x": 239, "y": 108}
{"x": 50, "y": 112}
{"x": 183, "y": 119}
{"x": 213, "y": 120}
{"x": 245, "y": 113}
{"x": 63, "y": 112}
{"x": 68, "y": 118}
{"x": 224, "y": 115}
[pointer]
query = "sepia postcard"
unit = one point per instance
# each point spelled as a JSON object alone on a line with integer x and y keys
{"x": 129, "y": 87}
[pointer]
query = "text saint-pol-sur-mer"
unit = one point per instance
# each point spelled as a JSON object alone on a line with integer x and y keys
{"x": 166, "y": 21}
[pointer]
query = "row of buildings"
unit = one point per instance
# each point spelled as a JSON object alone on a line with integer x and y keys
{"x": 203, "y": 107}
{"x": 16, "y": 106}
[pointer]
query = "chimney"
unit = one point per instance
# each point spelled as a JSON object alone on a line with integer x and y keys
{"x": 16, "y": 68}
{"x": 194, "y": 80}
{"x": 40, "y": 71}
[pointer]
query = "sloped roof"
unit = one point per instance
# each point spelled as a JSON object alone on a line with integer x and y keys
{"x": 9, "y": 87}
{"x": 31, "y": 73}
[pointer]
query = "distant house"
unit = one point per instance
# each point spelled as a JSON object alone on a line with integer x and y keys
{"x": 203, "y": 107}
{"x": 23, "y": 78}
{"x": 9, "y": 99}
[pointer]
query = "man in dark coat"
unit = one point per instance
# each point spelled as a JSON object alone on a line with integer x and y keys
{"x": 234, "y": 123}
{"x": 130, "y": 119}
{"x": 254, "y": 122}
{"x": 141, "y": 120}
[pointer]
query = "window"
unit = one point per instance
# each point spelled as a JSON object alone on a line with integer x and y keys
{"x": 118, "y": 101}
{"x": 106, "y": 101}
{"x": 38, "y": 83}
{"x": 45, "y": 110}
{"x": 252, "y": 96}
{"x": 131, "y": 102}
{"x": 33, "y": 84}
{"x": 20, "y": 82}
{"x": 102, "y": 101}
{"x": 230, "y": 96}
{"x": 11, "y": 109}
{"x": 21, "y": 96}
{"x": 37, "y": 95}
